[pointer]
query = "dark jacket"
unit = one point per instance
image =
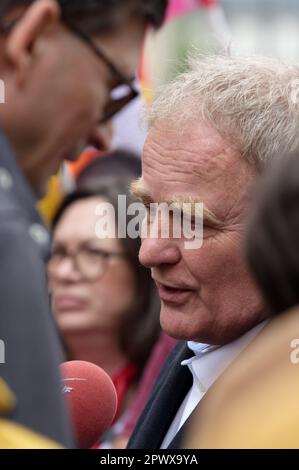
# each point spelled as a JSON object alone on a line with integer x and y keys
{"x": 32, "y": 346}
{"x": 172, "y": 386}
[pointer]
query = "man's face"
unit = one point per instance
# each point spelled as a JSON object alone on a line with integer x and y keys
{"x": 207, "y": 294}
{"x": 53, "y": 110}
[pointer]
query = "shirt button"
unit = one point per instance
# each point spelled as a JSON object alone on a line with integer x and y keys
{"x": 5, "y": 179}
{"x": 39, "y": 234}
{"x": 200, "y": 387}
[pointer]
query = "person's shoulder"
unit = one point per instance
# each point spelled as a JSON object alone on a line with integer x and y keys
{"x": 254, "y": 402}
{"x": 14, "y": 224}
{"x": 20, "y": 235}
{"x": 9, "y": 208}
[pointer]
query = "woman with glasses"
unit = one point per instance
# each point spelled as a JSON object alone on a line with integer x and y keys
{"x": 105, "y": 302}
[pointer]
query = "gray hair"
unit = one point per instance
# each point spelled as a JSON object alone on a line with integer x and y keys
{"x": 252, "y": 101}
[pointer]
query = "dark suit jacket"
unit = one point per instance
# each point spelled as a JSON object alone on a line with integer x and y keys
{"x": 173, "y": 384}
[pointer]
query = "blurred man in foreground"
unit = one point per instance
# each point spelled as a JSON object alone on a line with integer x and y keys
{"x": 212, "y": 131}
{"x": 60, "y": 61}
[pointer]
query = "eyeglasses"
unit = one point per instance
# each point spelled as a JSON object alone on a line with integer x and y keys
{"x": 125, "y": 91}
{"x": 92, "y": 263}
{"x": 120, "y": 96}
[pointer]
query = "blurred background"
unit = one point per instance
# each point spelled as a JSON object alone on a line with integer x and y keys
{"x": 268, "y": 27}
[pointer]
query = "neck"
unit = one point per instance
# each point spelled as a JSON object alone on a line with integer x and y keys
{"x": 101, "y": 349}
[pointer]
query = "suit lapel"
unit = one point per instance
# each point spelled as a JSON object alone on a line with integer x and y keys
{"x": 170, "y": 390}
{"x": 178, "y": 440}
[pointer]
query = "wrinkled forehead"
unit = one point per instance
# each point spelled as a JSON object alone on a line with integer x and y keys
{"x": 195, "y": 162}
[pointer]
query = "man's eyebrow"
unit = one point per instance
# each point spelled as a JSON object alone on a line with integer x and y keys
{"x": 139, "y": 190}
{"x": 188, "y": 204}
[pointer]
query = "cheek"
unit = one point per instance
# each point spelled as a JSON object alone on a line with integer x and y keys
{"x": 218, "y": 262}
{"x": 101, "y": 299}
{"x": 123, "y": 288}
{"x": 83, "y": 97}
{"x": 92, "y": 91}
{"x": 84, "y": 108}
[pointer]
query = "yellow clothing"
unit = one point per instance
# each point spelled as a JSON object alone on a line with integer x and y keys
{"x": 7, "y": 398}
{"x": 254, "y": 404}
{"x": 14, "y": 436}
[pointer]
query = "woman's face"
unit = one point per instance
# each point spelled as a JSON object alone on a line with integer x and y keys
{"x": 95, "y": 292}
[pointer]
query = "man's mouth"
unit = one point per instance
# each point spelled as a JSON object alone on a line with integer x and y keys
{"x": 173, "y": 294}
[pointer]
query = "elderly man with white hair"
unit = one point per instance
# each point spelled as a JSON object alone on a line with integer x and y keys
{"x": 212, "y": 131}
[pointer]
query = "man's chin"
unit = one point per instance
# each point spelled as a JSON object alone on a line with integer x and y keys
{"x": 182, "y": 325}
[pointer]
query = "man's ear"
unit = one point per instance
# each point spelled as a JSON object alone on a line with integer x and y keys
{"x": 20, "y": 43}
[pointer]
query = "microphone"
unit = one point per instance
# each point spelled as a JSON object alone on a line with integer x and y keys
{"x": 91, "y": 398}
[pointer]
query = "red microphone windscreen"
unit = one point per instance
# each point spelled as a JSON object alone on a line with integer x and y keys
{"x": 92, "y": 400}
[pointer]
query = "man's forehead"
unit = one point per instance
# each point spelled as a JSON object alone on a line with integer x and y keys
{"x": 173, "y": 135}
{"x": 196, "y": 164}
{"x": 196, "y": 151}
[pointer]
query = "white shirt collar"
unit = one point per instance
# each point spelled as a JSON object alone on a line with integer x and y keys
{"x": 206, "y": 366}
{"x": 210, "y": 360}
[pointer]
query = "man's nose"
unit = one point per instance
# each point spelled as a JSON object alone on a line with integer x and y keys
{"x": 155, "y": 252}
{"x": 101, "y": 136}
